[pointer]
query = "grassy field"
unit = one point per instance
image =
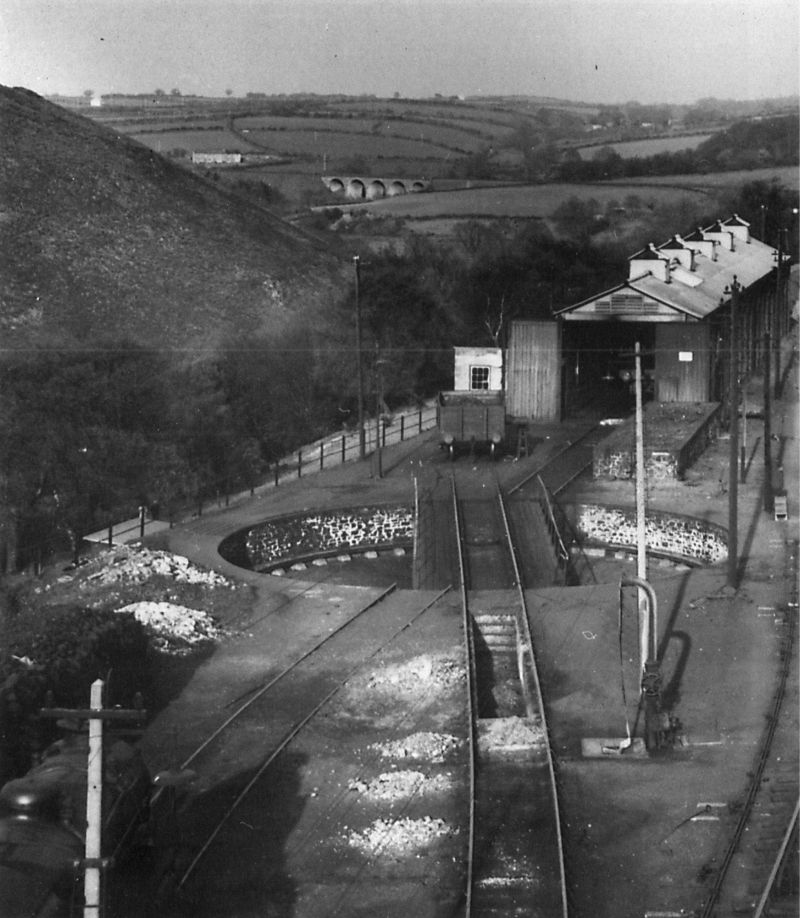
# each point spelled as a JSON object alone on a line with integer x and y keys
{"x": 514, "y": 200}
{"x": 214, "y": 140}
{"x": 715, "y": 181}
{"x": 430, "y": 139}
{"x": 648, "y": 147}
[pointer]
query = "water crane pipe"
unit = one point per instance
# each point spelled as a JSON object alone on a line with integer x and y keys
{"x": 652, "y": 610}
{"x": 651, "y": 669}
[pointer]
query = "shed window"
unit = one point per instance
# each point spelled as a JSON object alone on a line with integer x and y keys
{"x": 479, "y": 377}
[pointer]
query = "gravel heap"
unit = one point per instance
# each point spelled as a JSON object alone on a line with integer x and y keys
{"x": 414, "y": 678}
{"x": 393, "y": 785}
{"x": 173, "y": 629}
{"x": 132, "y": 564}
{"x": 399, "y": 836}
{"x": 427, "y": 747}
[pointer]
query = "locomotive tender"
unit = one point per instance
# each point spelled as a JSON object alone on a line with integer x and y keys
{"x": 43, "y": 824}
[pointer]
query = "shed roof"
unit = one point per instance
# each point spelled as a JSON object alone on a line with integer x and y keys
{"x": 680, "y": 295}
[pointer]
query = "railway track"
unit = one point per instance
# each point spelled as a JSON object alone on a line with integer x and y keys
{"x": 248, "y": 755}
{"x": 515, "y": 851}
{"x": 561, "y": 469}
{"x": 758, "y": 873}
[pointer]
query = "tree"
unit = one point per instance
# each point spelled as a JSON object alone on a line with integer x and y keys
{"x": 75, "y": 437}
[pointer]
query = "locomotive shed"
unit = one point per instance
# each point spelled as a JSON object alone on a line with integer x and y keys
{"x": 631, "y": 842}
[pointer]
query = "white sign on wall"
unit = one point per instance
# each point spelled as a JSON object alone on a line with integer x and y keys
{"x": 685, "y": 356}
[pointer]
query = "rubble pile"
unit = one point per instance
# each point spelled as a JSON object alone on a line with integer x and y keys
{"x": 427, "y": 747}
{"x": 400, "y": 836}
{"x": 130, "y": 564}
{"x": 174, "y": 629}
{"x": 414, "y": 677}
{"x": 394, "y": 785}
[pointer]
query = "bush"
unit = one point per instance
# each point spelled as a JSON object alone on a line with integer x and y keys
{"x": 65, "y": 655}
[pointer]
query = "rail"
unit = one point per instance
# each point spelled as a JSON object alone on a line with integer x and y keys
{"x": 469, "y": 647}
{"x": 773, "y": 721}
{"x": 483, "y": 784}
{"x": 554, "y": 461}
{"x": 298, "y": 725}
{"x": 525, "y": 647}
{"x": 552, "y": 527}
{"x": 762, "y": 907}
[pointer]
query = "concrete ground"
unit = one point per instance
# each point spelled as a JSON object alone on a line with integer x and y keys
{"x": 632, "y": 844}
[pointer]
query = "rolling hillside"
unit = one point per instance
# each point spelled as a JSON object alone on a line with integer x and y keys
{"x": 103, "y": 239}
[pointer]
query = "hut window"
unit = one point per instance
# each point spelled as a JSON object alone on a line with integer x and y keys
{"x": 479, "y": 377}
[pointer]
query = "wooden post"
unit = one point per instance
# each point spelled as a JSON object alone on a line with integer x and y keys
{"x": 359, "y": 363}
{"x": 733, "y": 479}
{"x": 777, "y": 326}
{"x": 94, "y": 807}
{"x": 641, "y": 545}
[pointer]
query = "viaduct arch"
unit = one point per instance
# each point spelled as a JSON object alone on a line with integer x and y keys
{"x": 367, "y": 188}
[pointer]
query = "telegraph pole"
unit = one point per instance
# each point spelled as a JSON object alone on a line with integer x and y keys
{"x": 94, "y": 863}
{"x": 641, "y": 543}
{"x": 778, "y": 325}
{"x": 733, "y": 478}
{"x": 359, "y": 366}
{"x": 768, "y": 502}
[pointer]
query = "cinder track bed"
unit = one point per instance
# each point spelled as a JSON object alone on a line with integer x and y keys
{"x": 340, "y": 784}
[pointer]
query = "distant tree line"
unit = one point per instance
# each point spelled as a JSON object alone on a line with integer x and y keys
{"x": 540, "y": 156}
{"x": 746, "y": 145}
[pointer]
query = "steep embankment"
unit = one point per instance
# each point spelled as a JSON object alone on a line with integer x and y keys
{"x": 103, "y": 238}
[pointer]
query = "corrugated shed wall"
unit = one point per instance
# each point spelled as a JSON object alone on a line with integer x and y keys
{"x": 683, "y": 363}
{"x": 533, "y": 377}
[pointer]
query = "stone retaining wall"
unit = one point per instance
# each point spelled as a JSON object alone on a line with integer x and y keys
{"x": 667, "y": 534}
{"x": 676, "y": 434}
{"x": 288, "y": 539}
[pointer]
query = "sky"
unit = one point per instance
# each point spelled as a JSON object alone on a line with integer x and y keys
{"x": 596, "y": 51}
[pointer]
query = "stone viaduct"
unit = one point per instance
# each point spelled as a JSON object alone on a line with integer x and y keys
{"x": 357, "y": 188}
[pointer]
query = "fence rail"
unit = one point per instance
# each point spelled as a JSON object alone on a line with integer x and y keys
{"x": 337, "y": 450}
{"x": 326, "y": 453}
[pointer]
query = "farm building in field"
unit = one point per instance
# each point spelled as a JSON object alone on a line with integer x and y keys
{"x": 676, "y": 303}
{"x": 217, "y": 159}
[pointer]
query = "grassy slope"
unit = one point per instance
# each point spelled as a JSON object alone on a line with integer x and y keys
{"x": 102, "y": 237}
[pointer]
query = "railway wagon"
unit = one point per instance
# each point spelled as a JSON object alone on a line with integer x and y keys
{"x": 472, "y": 419}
